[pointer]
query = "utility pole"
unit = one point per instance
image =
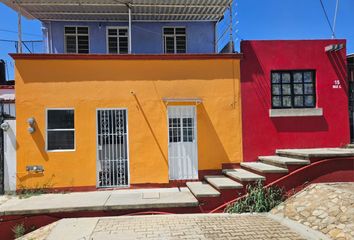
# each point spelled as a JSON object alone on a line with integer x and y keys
{"x": 335, "y": 19}
{"x": 19, "y": 29}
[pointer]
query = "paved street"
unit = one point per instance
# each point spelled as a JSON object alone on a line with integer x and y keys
{"x": 326, "y": 207}
{"x": 189, "y": 226}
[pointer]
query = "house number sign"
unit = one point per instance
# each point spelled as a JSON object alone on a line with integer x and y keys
{"x": 336, "y": 84}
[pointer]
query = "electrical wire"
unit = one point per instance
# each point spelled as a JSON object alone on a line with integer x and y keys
{"x": 11, "y": 31}
{"x": 326, "y": 15}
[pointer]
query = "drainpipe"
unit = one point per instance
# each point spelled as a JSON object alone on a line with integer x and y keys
{"x": 130, "y": 29}
{"x": 19, "y": 29}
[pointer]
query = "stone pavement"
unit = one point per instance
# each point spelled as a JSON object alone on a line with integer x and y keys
{"x": 328, "y": 208}
{"x": 98, "y": 200}
{"x": 181, "y": 226}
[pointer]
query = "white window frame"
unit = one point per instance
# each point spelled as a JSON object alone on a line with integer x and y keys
{"x": 69, "y": 129}
{"x": 76, "y": 35}
{"x": 174, "y": 38}
{"x": 107, "y": 36}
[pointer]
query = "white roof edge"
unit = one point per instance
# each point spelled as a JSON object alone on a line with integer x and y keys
{"x": 111, "y": 10}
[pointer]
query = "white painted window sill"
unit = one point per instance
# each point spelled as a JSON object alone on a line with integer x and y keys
{"x": 296, "y": 112}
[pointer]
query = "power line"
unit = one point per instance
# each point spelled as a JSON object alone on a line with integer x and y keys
{"x": 11, "y": 31}
{"x": 329, "y": 23}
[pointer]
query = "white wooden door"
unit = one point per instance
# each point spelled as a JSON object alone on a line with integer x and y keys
{"x": 182, "y": 142}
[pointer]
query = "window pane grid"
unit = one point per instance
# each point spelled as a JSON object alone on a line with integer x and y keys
{"x": 76, "y": 39}
{"x": 60, "y": 129}
{"x": 293, "y": 89}
{"x": 174, "y": 39}
{"x": 117, "y": 40}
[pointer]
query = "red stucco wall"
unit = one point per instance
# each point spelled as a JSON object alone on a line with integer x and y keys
{"x": 262, "y": 135}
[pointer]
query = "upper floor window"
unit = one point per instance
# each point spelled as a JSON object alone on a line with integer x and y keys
{"x": 174, "y": 39}
{"x": 60, "y": 129}
{"x": 117, "y": 40}
{"x": 293, "y": 89}
{"x": 76, "y": 39}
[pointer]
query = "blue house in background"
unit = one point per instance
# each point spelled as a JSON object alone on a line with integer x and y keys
{"x": 130, "y": 26}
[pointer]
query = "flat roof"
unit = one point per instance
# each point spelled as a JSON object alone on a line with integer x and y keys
{"x": 114, "y": 10}
{"x": 126, "y": 56}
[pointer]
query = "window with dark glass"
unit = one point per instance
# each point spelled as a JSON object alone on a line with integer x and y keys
{"x": 76, "y": 39}
{"x": 117, "y": 40}
{"x": 60, "y": 129}
{"x": 293, "y": 89}
{"x": 174, "y": 39}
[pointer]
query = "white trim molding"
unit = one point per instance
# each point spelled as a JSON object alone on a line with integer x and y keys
{"x": 295, "y": 112}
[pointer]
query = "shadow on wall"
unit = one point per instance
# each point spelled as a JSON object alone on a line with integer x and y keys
{"x": 209, "y": 143}
{"x": 124, "y": 70}
{"x": 258, "y": 79}
{"x": 39, "y": 139}
{"x": 340, "y": 67}
{"x": 300, "y": 124}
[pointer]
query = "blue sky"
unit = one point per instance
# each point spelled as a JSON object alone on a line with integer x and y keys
{"x": 257, "y": 19}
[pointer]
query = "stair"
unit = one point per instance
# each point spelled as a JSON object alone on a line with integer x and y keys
{"x": 202, "y": 190}
{"x": 283, "y": 161}
{"x": 242, "y": 175}
{"x": 221, "y": 182}
{"x": 263, "y": 168}
{"x": 316, "y": 153}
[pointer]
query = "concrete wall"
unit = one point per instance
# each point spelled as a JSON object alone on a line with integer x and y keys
{"x": 88, "y": 84}
{"x": 10, "y": 146}
{"x": 146, "y": 36}
{"x": 263, "y": 134}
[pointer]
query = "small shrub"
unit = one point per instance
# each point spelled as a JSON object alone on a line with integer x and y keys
{"x": 258, "y": 199}
{"x": 26, "y": 192}
{"x": 19, "y": 230}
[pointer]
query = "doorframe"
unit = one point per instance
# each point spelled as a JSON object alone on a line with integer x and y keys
{"x": 196, "y": 139}
{"x": 128, "y": 152}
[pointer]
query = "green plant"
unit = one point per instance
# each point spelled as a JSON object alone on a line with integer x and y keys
{"x": 26, "y": 192}
{"x": 258, "y": 199}
{"x": 19, "y": 230}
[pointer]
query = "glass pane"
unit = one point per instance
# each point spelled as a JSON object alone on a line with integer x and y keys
{"x": 309, "y": 101}
{"x": 309, "y": 88}
{"x": 112, "y": 31}
{"x": 168, "y": 31}
{"x": 123, "y": 45}
{"x": 83, "y": 44}
{"x": 112, "y": 45}
{"x": 70, "y": 30}
{"x": 58, "y": 140}
{"x": 181, "y": 44}
{"x": 286, "y": 101}
{"x": 180, "y": 30}
{"x": 286, "y": 89}
{"x": 298, "y": 89}
{"x": 297, "y": 77}
{"x": 276, "y": 102}
{"x": 169, "y": 45}
{"x": 276, "y": 89}
{"x": 70, "y": 44}
{"x": 275, "y": 77}
{"x": 285, "y": 78}
{"x": 123, "y": 32}
{"x": 299, "y": 101}
{"x": 82, "y": 30}
{"x": 60, "y": 119}
{"x": 308, "y": 77}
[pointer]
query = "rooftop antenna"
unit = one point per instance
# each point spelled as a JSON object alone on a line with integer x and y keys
{"x": 335, "y": 19}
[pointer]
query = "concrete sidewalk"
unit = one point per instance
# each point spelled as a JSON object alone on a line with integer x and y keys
{"x": 98, "y": 200}
{"x": 181, "y": 226}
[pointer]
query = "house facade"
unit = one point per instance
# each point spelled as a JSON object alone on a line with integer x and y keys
{"x": 294, "y": 95}
{"x": 100, "y": 123}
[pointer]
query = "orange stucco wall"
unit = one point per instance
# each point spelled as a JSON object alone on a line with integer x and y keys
{"x": 86, "y": 85}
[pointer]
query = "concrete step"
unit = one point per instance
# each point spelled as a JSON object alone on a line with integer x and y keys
{"x": 316, "y": 153}
{"x": 200, "y": 189}
{"x": 263, "y": 168}
{"x": 242, "y": 175}
{"x": 283, "y": 161}
{"x": 222, "y": 182}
